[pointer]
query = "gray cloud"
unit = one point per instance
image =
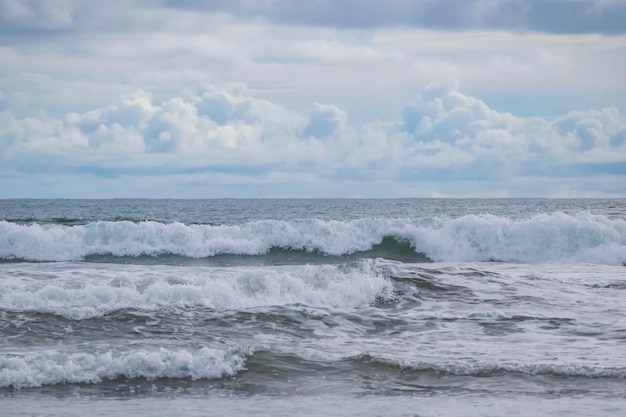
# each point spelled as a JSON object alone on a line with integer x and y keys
{"x": 32, "y": 17}
{"x": 23, "y": 20}
{"x": 555, "y": 16}
{"x": 324, "y": 121}
{"x": 36, "y": 14}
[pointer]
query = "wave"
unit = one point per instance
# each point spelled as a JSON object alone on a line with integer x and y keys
{"x": 49, "y": 368}
{"x": 554, "y": 237}
{"x": 44, "y": 368}
{"x": 490, "y": 369}
{"x": 80, "y": 292}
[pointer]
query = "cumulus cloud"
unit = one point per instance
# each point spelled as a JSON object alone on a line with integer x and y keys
{"x": 450, "y": 125}
{"x": 324, "y": 121}
{"x": 443, "y": 135}
{"x": 111, "y": 90}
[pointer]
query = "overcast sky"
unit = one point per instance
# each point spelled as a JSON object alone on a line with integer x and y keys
{"x": 318, "y": 98}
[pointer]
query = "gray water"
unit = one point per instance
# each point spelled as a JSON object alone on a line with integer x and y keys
{"x": 312, "y": 307}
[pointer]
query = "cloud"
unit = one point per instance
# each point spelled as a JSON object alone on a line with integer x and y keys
{"x": 449, "y": 120}
{"x": 324, "y": 121}
{"x": 550, "y": 16}
{"x": 556, "y": 16}
{"x": 44, "y": 19}
{"x": 36, "y": 14}
{"x": 93, "y": 51}
{"x": 142, "y": 90}
{"x": 443, "y": 135}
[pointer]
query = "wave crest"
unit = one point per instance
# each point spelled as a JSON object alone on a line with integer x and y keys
{"x": 555, "y": 237}
{"x": 48, "y": 368}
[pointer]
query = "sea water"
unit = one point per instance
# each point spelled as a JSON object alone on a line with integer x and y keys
{"x": 409, "y": 307}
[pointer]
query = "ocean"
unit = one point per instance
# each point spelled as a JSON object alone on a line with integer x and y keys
{"x": 313, "y": 307}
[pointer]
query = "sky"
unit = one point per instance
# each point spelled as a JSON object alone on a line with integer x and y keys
{"x": 285, "y": 98}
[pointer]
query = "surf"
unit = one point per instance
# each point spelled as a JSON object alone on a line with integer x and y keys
{"x": 551, "y": 237}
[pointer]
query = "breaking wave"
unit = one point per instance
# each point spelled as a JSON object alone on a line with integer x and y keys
{"x": 86, "y": 292}
{"x": 554, "y": 237}
{"x": 53, "y": 367}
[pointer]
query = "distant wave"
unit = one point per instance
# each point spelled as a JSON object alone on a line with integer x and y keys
{"x": 554, "y": 237}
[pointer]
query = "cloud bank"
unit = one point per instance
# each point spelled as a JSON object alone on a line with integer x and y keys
{"x": 441, "y": 136}
{"x": 551, "y": 16}
{"x": 316, "y": 98}
{"x": 555, "y": 16}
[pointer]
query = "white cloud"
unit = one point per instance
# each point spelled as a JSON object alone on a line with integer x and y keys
{"x": 444, "y": 135}
{"x": 484, "y": 143}
{"x": 294, "y": 93}
{"x": 325, "y": 121}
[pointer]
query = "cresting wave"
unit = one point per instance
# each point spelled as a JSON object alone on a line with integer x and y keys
{"x": 554, "y": 237}
{"x": 53, "y": 367}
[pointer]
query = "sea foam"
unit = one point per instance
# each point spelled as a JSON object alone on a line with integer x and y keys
{"x": 80, "y": 291}
{"x": 36, "y": 369}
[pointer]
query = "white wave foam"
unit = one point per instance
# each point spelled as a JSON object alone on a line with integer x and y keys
{"x": 555, "y": 237}
{"x": 47, "y": 368}
{"x": 86, "y": 290}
